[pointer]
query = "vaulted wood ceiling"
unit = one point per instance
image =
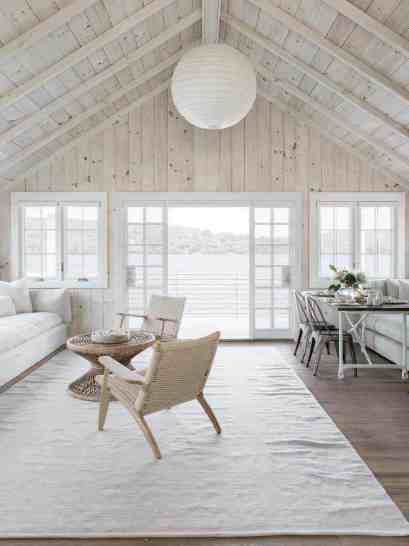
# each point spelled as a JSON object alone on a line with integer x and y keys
{"x": 70, "y": 67}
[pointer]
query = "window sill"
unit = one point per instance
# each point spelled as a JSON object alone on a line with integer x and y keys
{"x": 68, "y": 284}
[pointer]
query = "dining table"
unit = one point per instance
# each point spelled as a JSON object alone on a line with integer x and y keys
{"x": 352, "y": 318}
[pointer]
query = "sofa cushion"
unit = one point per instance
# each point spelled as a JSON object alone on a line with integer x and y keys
{"x": 18, "y": 329}
{"x": 53, "y": 301}
{"x": 386, "y": 325}
{"x": 7, "y": 307}
{"x": 404, "y": 289}
{"x": 392, "y": 288}
{"x": 18, "y": 291}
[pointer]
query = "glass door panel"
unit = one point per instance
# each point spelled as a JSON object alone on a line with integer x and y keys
{"x": 272, "y": 270}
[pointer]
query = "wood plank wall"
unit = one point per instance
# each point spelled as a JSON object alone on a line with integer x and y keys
{"x": 156, "y": 150}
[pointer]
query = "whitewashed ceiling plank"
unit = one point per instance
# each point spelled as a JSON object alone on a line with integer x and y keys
{"x": 70, "y": 60}
{"x": 40, "y": 30}
{"x": 323, "y": 80}
{"x": 373, "y": 26}
{"x": 337, "y": 52}
{"x": 87, "y": 86}
{"x": 19, "y": 13}
{"x": 6, "y": 165}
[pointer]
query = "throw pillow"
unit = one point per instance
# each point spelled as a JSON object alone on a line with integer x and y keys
{"x": 7, "y": 307}
{"x": 18, "y": 291}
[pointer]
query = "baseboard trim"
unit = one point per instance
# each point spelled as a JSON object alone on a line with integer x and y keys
{"x": 29, "y": 370}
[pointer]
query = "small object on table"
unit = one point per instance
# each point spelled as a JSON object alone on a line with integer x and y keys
{"x": 85, "y": 387}
{"x": 110, "y": 336}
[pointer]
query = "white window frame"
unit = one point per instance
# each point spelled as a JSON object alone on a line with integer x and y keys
{"x": 59, "y": 199}
{"x": 120, "y": 200}
{"x": 356, "y": 199}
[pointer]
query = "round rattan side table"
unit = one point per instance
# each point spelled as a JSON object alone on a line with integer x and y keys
{"x": 85, "y": 387}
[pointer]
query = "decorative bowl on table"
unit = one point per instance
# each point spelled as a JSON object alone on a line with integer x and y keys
{"x": 110, "y": 337}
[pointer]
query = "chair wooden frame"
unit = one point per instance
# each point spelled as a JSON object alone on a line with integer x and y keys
{"x": 177, "y": 373}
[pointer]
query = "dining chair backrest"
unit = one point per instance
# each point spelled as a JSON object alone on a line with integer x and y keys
{"x": 315, "y": 315}
{"x": 301, "y": 306}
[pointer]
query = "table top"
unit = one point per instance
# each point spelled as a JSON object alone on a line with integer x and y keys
{"x": 139, "y": 341}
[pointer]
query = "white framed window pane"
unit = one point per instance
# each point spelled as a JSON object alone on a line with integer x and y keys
{"x": 51, "y": 266}
{"x": 342, "y": 218}
{"x": 263, "y": 276}
{"x": 281, "y": 215}
{"x": 33, "y": 265}
{"x": 262, "y": 255}
{"x": 385, "y": 242}
{"x": 385, "y": 218}
{"x": 281, "y": 255}
{"x": 154, "y": 233}
{"x": 385, "y": 268}
{"x": 327, "y": 241}
{"x": 135, "y": 215}
{"x": 262, "y": 233}
{"x": 281, "y": 318}
{"x": 281, "y": 234}
{"x": 49, "y": 217}
{"x": 90, "y": 244}
{"x": 368, "y": 242}
{"x": 90, "y": 265}
{"x": 263, "y": 297}
{"x": 154, "y": 214}
{"x": 51, "y": 243}
{"x": 73, "y": 266}
{"x": 326, "y": 217}
{"x": 281, "y": 298}
{"x": 135, "y": 259}
{"x": 263, "y": 319}
{"x": 262, "y": 215}
{"x": 343, "y": 261}
{"x": 33, "y": 241}
{"x": 367, "y": 217}
{"x": 74, "y": 242}
{"x": 32, "y": 217}
{"x": 325, "y": 261}
{"x": 135, "y": 234}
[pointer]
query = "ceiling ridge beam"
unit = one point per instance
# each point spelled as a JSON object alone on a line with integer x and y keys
{"x": 371, "y": 25}
{"x": 111, "y": 121}
{"x": 99, "y": 107}
{"x": 35, "y": 34}
{"x": 211, "y": 21}
{"x": 33, "y": 119}
{"x": 335, "y": 118}
{"x": 78, "y": 55}
{"x": 340, "y": 54}
{"x": 313, "y": 73}
{"x": 305, "y": 119}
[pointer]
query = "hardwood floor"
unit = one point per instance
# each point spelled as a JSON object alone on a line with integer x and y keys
{"x": 372, "y": 410}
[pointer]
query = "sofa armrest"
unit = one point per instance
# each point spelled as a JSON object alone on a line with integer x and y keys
{"x": 52, "y": 300}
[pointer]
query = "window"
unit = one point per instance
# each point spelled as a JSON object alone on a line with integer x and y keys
{"x": 60, "y": 239}
{"x": 358, "y": 231}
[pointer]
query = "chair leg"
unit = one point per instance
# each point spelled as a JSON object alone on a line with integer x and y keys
{"x": 298, "y": 341}
{"x": 209, "y": 412}
{"x": 328, "y": 348}
{"x": 318, "y": 355}
{"x": 148, "y": 435}
{"x": 353, "y": 355}
{"x": 310, "y": 353}
{"x": 104, "y": 401}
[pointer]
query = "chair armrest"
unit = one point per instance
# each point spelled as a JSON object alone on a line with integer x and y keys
{"x": 166, "y": 319}
{"x": 131, "y": 315}
{"x": 121, "y": 371}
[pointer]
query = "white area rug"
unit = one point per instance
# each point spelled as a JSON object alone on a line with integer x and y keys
{"x": 281, "y": 466}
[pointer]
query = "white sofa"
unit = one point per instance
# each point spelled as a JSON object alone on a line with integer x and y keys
{"x": 384, "y": 332}
{"x": 28, "y": 337}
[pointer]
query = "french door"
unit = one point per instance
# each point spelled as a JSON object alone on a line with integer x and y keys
{"x": 236, "y": 258}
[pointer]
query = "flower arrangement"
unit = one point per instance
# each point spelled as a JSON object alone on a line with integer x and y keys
{"x": 345, "y": 279}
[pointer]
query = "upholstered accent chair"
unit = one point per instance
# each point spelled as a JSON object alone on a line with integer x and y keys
{"x": 162, "y": 318}
{"x": 177, "y": 373}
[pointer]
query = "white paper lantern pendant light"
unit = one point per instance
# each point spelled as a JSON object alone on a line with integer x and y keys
{"x": 214, "y": 86}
